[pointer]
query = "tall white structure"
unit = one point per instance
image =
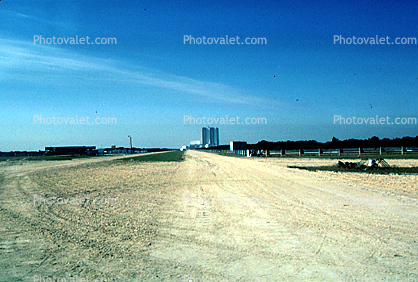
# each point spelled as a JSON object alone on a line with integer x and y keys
{"x": 210, "y": 136}
{"x": 205, "y": 136}
{"x": 214, "y": 136}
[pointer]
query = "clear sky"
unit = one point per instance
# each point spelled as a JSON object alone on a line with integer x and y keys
{"x": 150, "y": 80}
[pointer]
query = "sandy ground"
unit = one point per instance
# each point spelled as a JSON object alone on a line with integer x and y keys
{"x": 209, "y": 218}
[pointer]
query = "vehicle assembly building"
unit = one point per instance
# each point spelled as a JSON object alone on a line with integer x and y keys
{"x": 210, "y": 137}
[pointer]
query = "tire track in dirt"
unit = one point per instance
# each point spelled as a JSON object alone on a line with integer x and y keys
{"x": 295, "y": 201}
{"x": 69, "y": 227}
{"x": 308, "y": 215}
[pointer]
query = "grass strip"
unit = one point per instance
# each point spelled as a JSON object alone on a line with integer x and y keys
{"x": 171, "y": 156}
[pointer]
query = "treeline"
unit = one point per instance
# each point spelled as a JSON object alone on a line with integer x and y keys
{"x": 373, "y": 142}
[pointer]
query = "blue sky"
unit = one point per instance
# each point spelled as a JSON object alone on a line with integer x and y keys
{"x": 150, "y": 79}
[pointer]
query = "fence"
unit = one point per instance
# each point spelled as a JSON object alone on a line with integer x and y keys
{"x": 319, "y": 152}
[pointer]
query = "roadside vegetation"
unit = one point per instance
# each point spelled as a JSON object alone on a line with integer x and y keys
{"x": 390, "y": 170}
{"x": 393, "y": 156}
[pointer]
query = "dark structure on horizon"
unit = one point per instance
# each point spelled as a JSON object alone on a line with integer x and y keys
{"x": 237, "y": 145}
{"x": 70, "y": 150}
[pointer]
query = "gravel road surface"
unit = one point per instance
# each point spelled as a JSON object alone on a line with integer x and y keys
{"x": 208, "y": 218}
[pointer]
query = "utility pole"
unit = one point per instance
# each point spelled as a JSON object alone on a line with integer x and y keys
{"x": 130, "y": 140}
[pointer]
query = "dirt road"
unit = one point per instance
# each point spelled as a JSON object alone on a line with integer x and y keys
{"x": 208, "y": 218}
